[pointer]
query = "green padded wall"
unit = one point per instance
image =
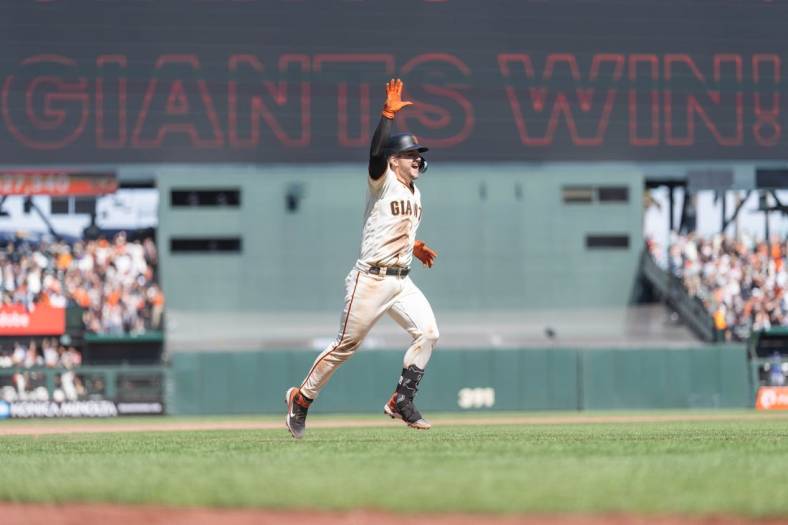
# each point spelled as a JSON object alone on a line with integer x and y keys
{"x": 704, "y": 377}
{"x": 550, "y": 379}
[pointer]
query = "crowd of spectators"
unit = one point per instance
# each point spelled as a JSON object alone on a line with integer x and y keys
{"x": 46, "y": 352}
{"x": 114, "y": 281}
{"x": 741, "y": 281}
{"x": 27, "y": 383}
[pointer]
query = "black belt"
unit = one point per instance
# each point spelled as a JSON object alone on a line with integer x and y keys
{"x": 399, "y": 272}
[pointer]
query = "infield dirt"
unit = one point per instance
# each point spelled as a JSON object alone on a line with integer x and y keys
{"x": 18, "y": 514}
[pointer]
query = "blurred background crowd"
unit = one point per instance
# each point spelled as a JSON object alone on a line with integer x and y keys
{"x": 740, "y": 280}
{"x": 114, "y": 281}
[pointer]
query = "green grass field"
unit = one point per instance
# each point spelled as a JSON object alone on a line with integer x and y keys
{"x": 690, "y": 467}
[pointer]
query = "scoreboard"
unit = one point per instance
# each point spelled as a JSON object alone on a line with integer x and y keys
{"x": 269, "y": 81}
{"x": 56, "y": 183}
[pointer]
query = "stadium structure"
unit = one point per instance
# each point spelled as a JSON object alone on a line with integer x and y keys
{"x": 228, "y": 151}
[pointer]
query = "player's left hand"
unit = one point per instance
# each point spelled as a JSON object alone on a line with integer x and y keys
{"x": 424, "y": 253}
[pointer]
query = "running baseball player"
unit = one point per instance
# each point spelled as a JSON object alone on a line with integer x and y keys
{"x": 379, "y": 282}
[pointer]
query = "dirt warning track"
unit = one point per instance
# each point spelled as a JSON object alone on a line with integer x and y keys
{"x": 168, "y": 425}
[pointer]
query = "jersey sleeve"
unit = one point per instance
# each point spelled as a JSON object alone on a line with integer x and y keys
{"x": 377, "y": 156}
{"x": 378, "y": 186}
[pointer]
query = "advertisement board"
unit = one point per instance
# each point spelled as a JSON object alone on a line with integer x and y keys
{"x": 17, "y": 320}
{"x": 772, "y": 398}
{"x": 77, "y": 409}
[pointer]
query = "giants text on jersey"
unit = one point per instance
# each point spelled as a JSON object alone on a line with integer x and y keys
{"x": 390, "y": 222}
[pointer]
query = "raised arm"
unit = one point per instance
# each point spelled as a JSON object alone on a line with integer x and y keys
{"x": 394, "y": 103}
{"x": 377, "y": 158}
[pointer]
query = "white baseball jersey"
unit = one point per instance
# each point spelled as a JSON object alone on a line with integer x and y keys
{"x": 391, "y": 219}
{"x": 392, "y": 216}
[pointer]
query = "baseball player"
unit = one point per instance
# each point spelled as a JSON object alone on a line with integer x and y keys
{"x": 379, "y": 282}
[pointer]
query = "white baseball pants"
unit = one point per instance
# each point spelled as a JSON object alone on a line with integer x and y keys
{"x": 367, "y": 298}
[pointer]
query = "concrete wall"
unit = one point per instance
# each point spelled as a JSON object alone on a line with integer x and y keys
{"x": 505, "y": 238}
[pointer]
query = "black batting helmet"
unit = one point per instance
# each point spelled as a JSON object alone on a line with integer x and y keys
{"x": 402, "y": 142}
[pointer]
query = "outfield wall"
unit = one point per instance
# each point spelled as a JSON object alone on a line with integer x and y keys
{"x": 544, "y": 379}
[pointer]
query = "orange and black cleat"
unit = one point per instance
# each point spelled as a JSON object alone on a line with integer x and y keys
{"x": 402, "y": 407}
{"x": 297, "y": 407}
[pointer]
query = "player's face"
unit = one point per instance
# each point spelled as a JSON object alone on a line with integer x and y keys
{"x": 409, "y": 164}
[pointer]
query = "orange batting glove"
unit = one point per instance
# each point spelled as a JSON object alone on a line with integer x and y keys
{"x": 394, "y": 100}
{"x": 424, "y": 253}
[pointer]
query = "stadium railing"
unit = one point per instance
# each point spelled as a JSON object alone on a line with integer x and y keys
{"x": 691, "y": 309}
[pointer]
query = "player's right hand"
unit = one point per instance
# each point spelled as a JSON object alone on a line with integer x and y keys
{"x": 394, "y": 101}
